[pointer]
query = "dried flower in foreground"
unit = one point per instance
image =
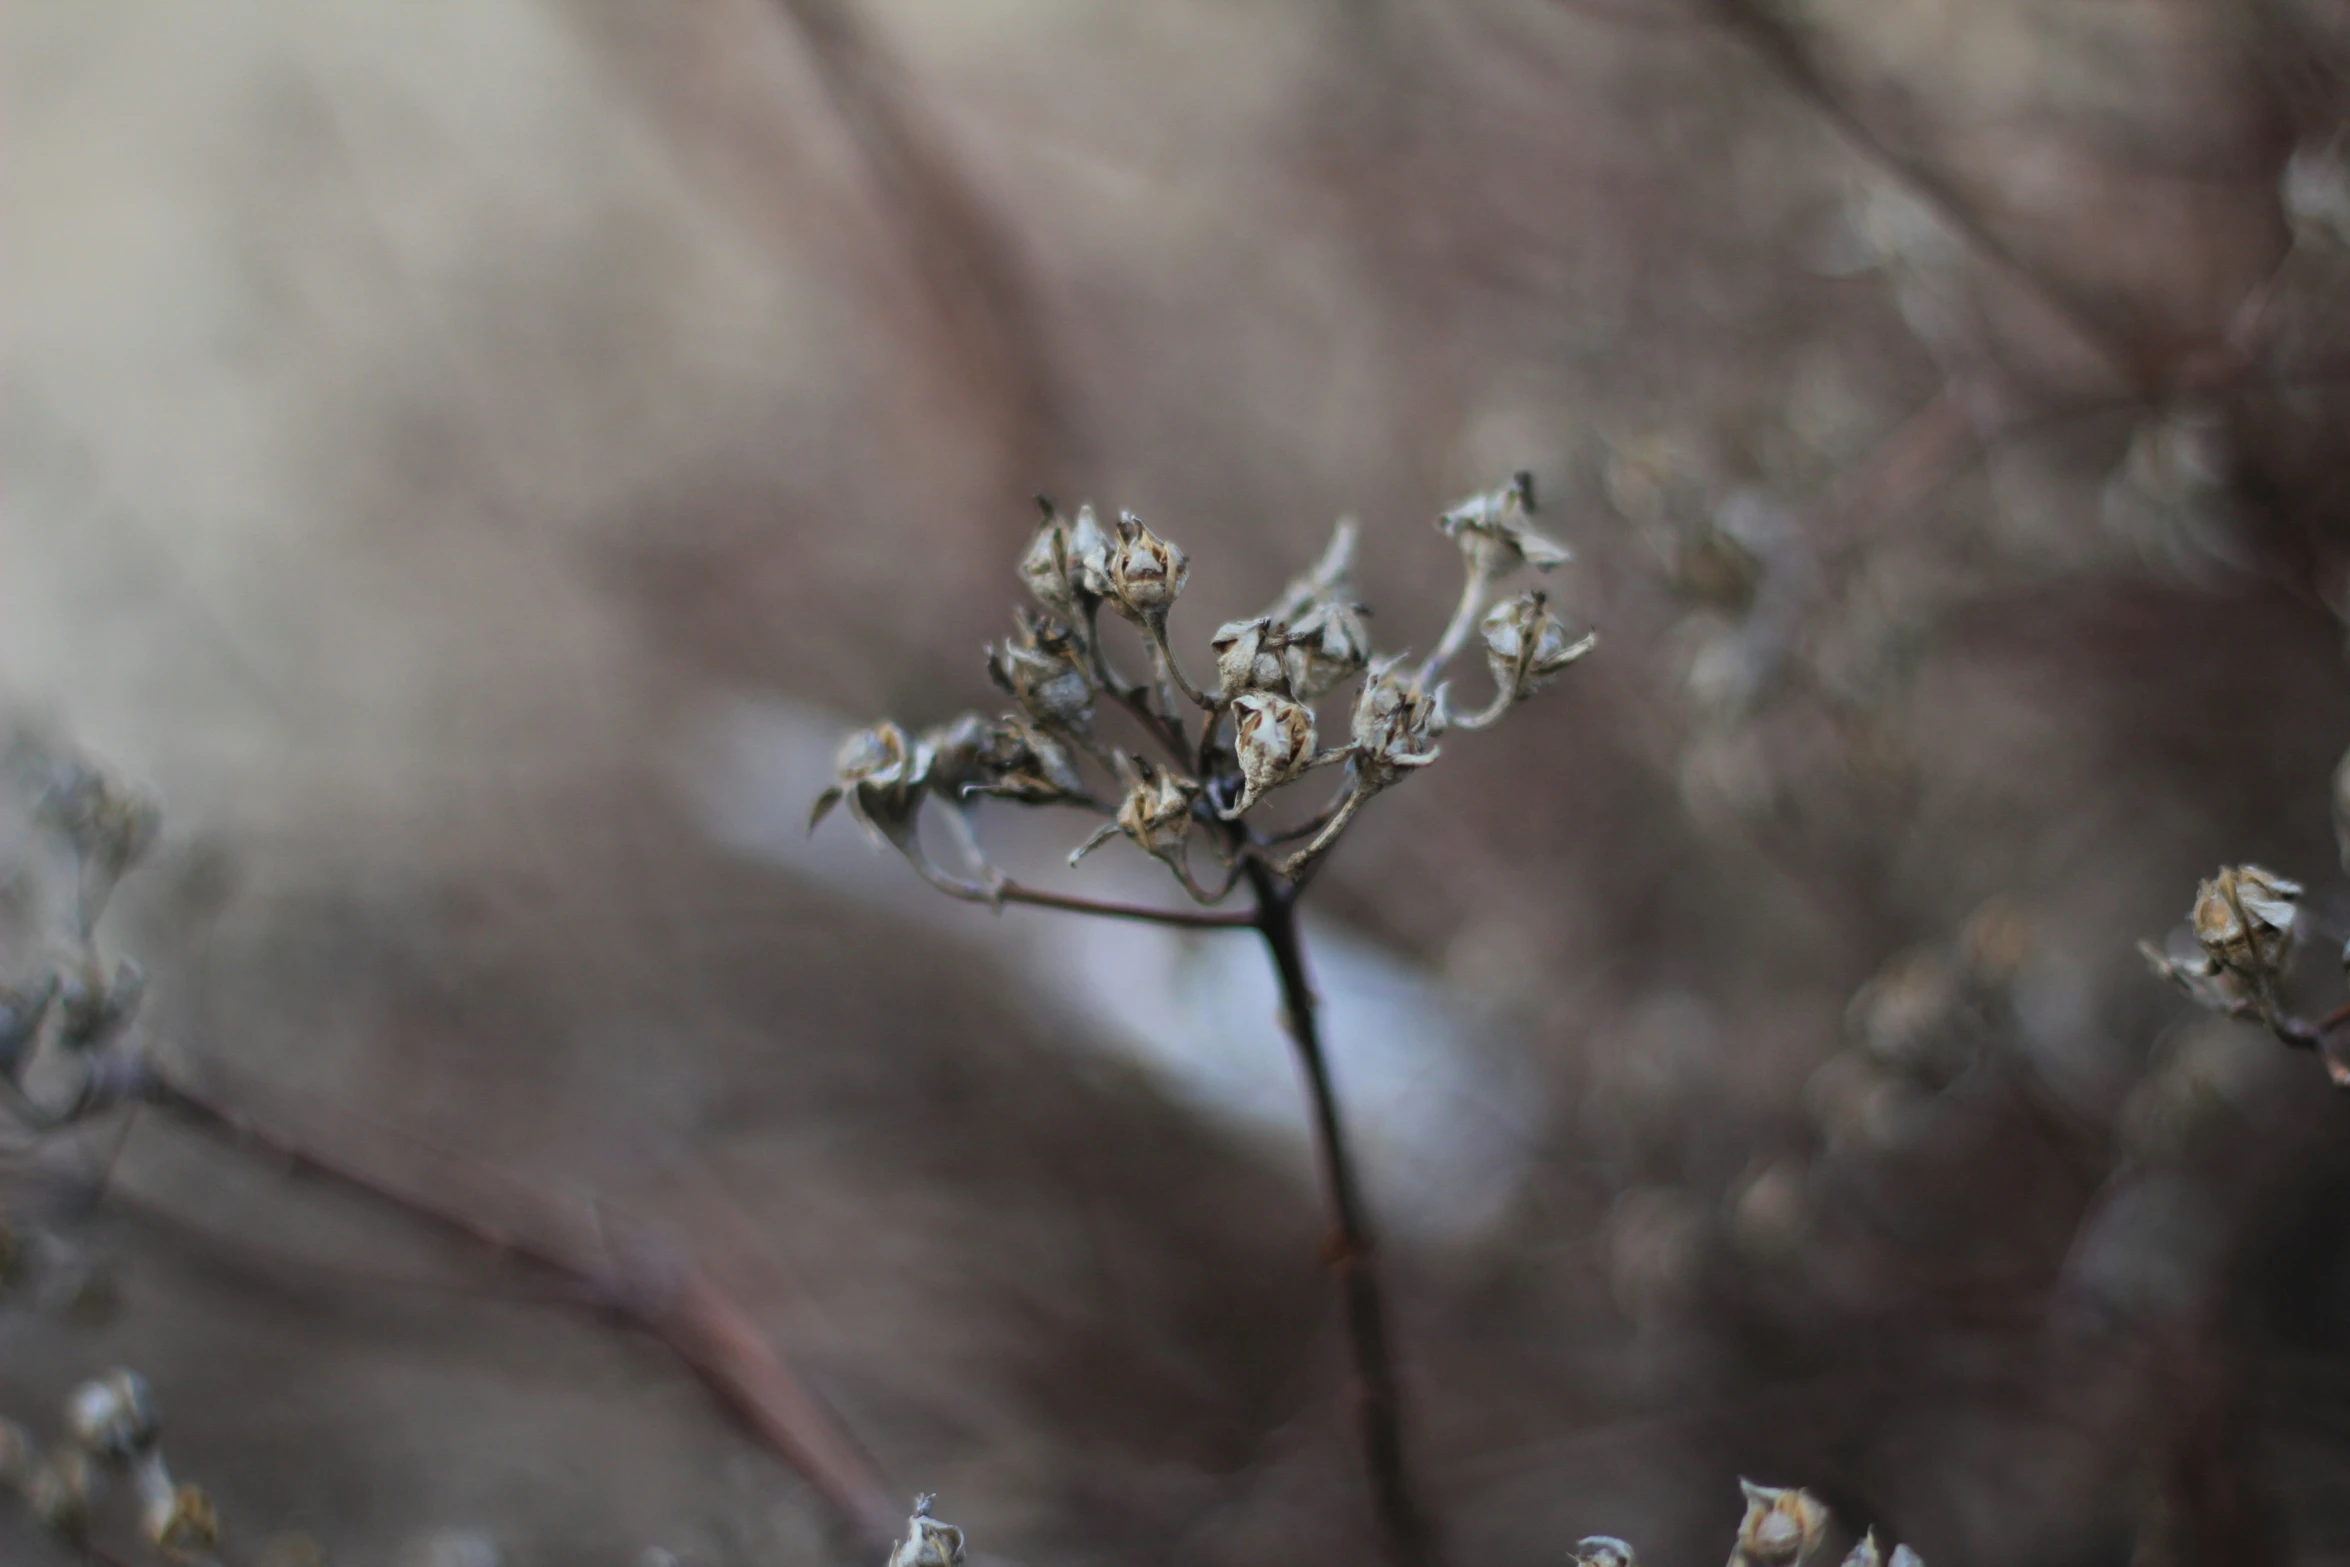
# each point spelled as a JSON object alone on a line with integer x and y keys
{"x": 1217, "y": 757}
{"x": 1603, "y": 1550}
{"x": 928, "y": 1542}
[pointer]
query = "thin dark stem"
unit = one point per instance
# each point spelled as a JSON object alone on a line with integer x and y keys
{"x": 1379, "y": 1404}
{"x": 1016, "y": 892}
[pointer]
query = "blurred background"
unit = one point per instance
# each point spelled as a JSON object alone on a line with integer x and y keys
{"x": 475, "y": 458}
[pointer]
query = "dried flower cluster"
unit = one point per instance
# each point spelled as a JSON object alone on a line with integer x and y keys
{"x": 2244, "y": 927}
{"x": 65, "y": 1051}
{"x": 112, "y": 1433}
{"x": 1224, "y": 746}
{"x": 1783, "y": 1527}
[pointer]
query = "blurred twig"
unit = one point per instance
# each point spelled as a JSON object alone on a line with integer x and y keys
{"x": 968, "y": 264}
{"x": 660, "y": 1293}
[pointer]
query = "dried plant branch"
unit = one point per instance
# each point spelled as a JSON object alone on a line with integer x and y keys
{"x": 664, "y": 1296}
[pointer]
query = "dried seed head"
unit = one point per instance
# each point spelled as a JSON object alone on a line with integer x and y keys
{"x": 1274, "y": 738}
{"x": 1603, "y": 1550}
{"x": 1248, "y": 657}
{"x": 1006, "y": 758}
{"x": 114, "y": 1416}
{"x": 1328, "y": 641}
{"x": 1145, "y": 571}
{"x": 1526, "y": 645}
{"x": 1327, "y": 644}
{"x": 928, "y": 1542}
{"x": 1396, "y": 723}
{"x": 1043, "y": 671}
{"x": 1156, "y": 813}
{"x": 1494, "y": 533}
{"x": 882, "y": 775}
{"x": 1065, "y": 562}
{"x": 2244, "y": 921}
{"x": 1782, "y": 1526}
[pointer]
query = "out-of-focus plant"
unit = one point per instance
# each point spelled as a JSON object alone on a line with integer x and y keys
{"x": 1220, "y": 750}
{"x": 1782, "y": 1527}
{"x": 2245, "y": 928}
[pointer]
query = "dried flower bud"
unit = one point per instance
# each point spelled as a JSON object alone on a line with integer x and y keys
{"x": 1146, "y": 572}
{"x": 1274, "y": 738}
{"x": 1248, "y": 657}
{"x": 1327, "y": 644}
{"x": 1603, "y": 1550}
{"x": 1782, "y": 1526}
{"x": 1006, "y": 758}
{"x": 1065, "y": 563}
{"x": 928, "y": 1542}
{"x": 1494, "y": 534}
{"x": 2244, "y": 921}
{"x": 1526, "y": 645}
{"x": 1396, "y": 723}
{"x": 1042, "y": 670}
{"x": 1156, "y": 813}
{"x": 1327, "y": 641}
{"x": 113, "y": 1416}
{"x": 882, "y": 775}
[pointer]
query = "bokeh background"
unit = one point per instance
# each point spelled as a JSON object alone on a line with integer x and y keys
{"x": 474, "y": 458}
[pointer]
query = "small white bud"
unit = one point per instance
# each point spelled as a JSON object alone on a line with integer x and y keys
{"x": 1603, "y": 1550}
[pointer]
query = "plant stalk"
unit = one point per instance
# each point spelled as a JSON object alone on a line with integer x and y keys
{"x": 1378, "y": 1402}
